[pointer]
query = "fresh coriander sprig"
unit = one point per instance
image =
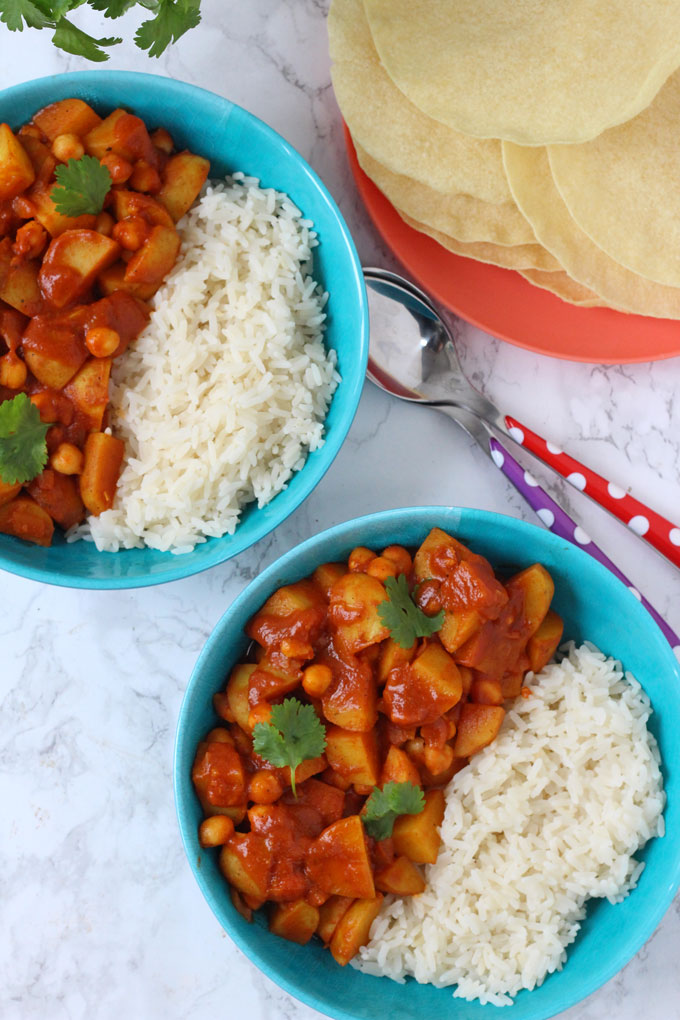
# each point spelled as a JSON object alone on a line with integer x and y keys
{"x": 170, "y": 20}
{"x": 383, "y": 807}
{"x": 82, "y": 185}
{"x": 294, "y": 734}
{"x": 405, "y": 620}
{"x": 23, "y": 450}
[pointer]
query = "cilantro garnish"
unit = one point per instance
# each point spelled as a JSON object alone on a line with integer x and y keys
{"x": 384, "y": 806}
{"x": 294, "y": 734}
{"x": 170, "y": 20}
{"x": 82, "y": 185}
{"x": 405, "y": 620}
{"x": 23, "y": 450}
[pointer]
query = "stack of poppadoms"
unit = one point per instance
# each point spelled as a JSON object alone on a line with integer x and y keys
{"x": 537, "y": 135}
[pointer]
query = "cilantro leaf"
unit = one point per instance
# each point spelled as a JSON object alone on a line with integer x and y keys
{"x": 384, "y": 806}
{"x": 82, "y": 186}
{"x": 172, "y": 19}
{"x": 406, "y": 621}
{"x": 112, "y": 8}
{"x": 23, "y": 450}
{"x": 72, "y": 39}
{"x": 294, "y": 734}
{"x": 15, "y": 12}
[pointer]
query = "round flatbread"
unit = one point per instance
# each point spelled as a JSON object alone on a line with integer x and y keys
{"x": 461, "y": 216}
{"x": 523, "y": 256}
{"x": 536, "y": 193}
{"x": 562, "y": 286}
{"x": 622, "y": 188}
{"x": 535, "y": 72}
{"x": 394, "y": 131}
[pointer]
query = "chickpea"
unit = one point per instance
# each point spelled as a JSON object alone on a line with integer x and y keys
{"x": 47, "y": 407}
{"x": 30, "y": 240}
{"x": 382, "y": 568}
{"x": 438, "y": 759}
{"x": 359, "y": 559}
{"x": 119, "y": 168}
{"x": 435, "y": 734}
{"x": 294, "y": 649}
{"x": 261, "y": 713}
{"x": 23, "y": 207}
{"x": 131, "y": 233}
{"x": 162, "y": 139}
{"x": 104, "y": 224}
{"x": 65, "y": 147}
{"x": 102, "y": 341}
{"x": 215, "y": 831}
{"x": 67, "y": 459}
{"x": 220, "y": 735}
{"x": 316, "y": 680}
{"x": 400, "y": 557}
{"x": 265, "y": 787}
{"x": 12, "y": 371}
{"x": 145, "y": 177}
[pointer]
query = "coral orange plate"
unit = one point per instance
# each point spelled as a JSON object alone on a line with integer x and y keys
{"x": 504, "y": 304}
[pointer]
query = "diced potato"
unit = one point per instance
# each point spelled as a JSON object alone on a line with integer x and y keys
{"x": 66, "y": 117}
{"x": 23, "y": 518}
{"x": 240, "y": 904}
{"x": 511, "y": 683}
{"x": 330, "y": 913}
{"x": 154, "y": 260}
{"x": 8, "y": 492}
{"x": 121, "y": 312}
{"x": 538, "y": 588}
{"x": 327, "y": 574}
{"x": 353, "y": 611}
{"x": 53, "y": 352}
{"x": 88, "y": 391}
{"x": 458, "y": 626}
{"x": 127, "y": 204}
{"x": 401, "y": 878}
{"x": 41, "y": 158}
{"x": 183, "y": 177}
{"x": 399, "y": 768}
{"x": 45, "y": 212}
{"x": 268, "y": 682}
{"x": 436, "y": 556}
{"x": 338, "y": 861}
{"x": 124, "y": 134}
{"x": 478, "y": 725}
{"x": 542, "y": 645}
{"x": 19, "y": 283}
{"x": 218, "y": 774}
{"x": 351, "y": 699}
{"x": 327, "y": 800}
{"x": 392, "y": 655}
{"x": 305, "y": 770}
{"x": 103, "y": 460}
{"x": 352, "y": 930}
{"x": 72, "y": 263}
{"x": 237, "y": 813}
{"x": 417, "y": 836}
{"x": 486, "y": 691}
{"x": 112, "y": 280}
{"x": 237, "y": 693}
{"x": 16, "y": 169}
{"x": 423, "y": 691}
{"x": 246, "y": 862}
{"x": 354, "y": 755}
{"x": 58, "y": 494}
{"x": 296, "y": 921}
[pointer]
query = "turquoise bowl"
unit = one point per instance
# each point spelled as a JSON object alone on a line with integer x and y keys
{"x": 595, "y": 606}
{"x": 232, "y": 139}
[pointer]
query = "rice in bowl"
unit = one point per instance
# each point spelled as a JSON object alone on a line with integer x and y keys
{"x": 547, "y": 816}
{"x": 223, "y": 395}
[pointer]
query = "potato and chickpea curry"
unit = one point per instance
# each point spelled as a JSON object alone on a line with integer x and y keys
{"x": 88, "y": 207}
{"x": 371, "y": 684}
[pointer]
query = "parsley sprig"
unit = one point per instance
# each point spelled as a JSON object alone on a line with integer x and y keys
{"x": 294, "y": 734}
{"x": 383, "y": 807}
{"x": 82, "y": 185}
{"x": 170, "y": 20}
{"x": 406, "y": 621}
{"x": 23, "y": 450}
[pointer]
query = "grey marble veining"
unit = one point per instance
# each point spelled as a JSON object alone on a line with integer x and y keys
{"x": 100, "y": 914}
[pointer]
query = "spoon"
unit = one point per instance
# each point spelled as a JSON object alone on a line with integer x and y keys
{"x": 429, "y": 365}
{"x": 412, "y": 356}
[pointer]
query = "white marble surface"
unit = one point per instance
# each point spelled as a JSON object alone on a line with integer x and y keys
{"x": 100, "y": 913}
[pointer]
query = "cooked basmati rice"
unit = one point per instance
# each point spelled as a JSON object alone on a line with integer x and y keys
{"x": 226, "y": 390}
{"x": 547, "y": 816}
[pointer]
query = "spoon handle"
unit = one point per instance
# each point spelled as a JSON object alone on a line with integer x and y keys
{"x": 655, "y": 529}
{"x": 560, "y": 523}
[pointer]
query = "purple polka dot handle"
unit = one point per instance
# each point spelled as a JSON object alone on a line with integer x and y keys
{"x": 560, "y": 523}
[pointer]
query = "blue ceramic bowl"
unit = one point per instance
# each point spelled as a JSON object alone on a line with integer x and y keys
{"x": 595, "y": 606}
{"x": 232, "y": 139}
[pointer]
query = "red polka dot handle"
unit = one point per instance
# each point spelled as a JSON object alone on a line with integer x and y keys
{"x": 654, "y": 528}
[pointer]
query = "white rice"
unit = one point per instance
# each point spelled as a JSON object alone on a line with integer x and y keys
{"x": 547, "y": 816}
{"x": 225, "y": 392}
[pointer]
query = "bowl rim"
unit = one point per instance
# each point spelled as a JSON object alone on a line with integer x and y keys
{"x": 228, "y": 546}
{"x": 276, "y": 574}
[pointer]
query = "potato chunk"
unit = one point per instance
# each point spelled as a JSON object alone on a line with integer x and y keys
{"x": 422, "y": 691}
{"x": 330, "y": 913}
{"x": 417, "y": 836}
{"x": 88, "y": 391}
{"x": 543, "y": 643}
{"x": 58, "y": 494}
{"x": 401, "y": 878}
{"x": 399, "y": 768}
{"x": 353, "y": 928}
{"x": 66, "y": 117}
{"x": 478, "y": 725}
{"x": 183, "y": 177}
{"x": 72, "y": 263}
{"x": 237, "y": 693}
{"x": 53, "y": 351}
{"x": 16, "y": 169}
{"x": 23, "y": 518}
{"x": 103, "y": 459}
{"x": 296, "y": 921}
{"x": 354, "y": 754}
{"x": 538, "y": 588}
{"x": 353, "y": 611}
{"x": 19, "y": 282}
{"x": 338, "y": 861}
{"x": 246, "y": 862}
{"x": 154, "y": 260}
